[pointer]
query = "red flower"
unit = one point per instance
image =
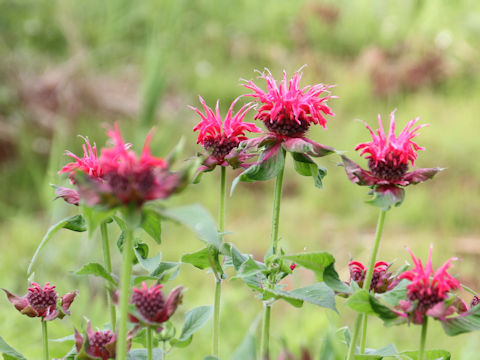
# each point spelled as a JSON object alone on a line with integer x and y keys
{"x": 98, "y": 344}
{"x": 475, "y": 301}
{"x": 388, "y": 162}
{"x": 382, "y": 280}
{"x": 220, "y": 138}
{"x": 428, "y": 291}
{"x": 288, "y": 111}
{"x": 42, "y": 303}
{"x": 118, "y": 177}
{"x": 152, "y": 308}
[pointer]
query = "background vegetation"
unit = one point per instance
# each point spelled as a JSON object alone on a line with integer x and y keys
{"x": 68, "y": 67}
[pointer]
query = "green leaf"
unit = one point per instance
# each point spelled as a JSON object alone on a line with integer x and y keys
{"x": 429, "y": 355}
{"x": 318, "y": 294}
{"x": 248, "y": 348}
{"x": 263, "y": 169}
{"x": 96, "y": 270}
{"x": 305, "y": 166}
{"x": 292, "y": 299}
{"x": 331, "y": 278}
{"x": 141, "y": 354}
{"x": 95, "y": 216}
{"x": 72, "y": 223}
{"x": 398, "y": 293}
{"x": 149, "y": 264}
{"x": 199, "y": 259}
{"x": 141, "y": 249}
{"x": 152, "y": 224}
{"x": 372, "y": 354}
{"x": 166, "y": 271}
{"x": 315, "y": 261}
{"x": 463, "y": 323}
{"x": 194, "y": 320}
{"x": 249, "y": 268}
{"x": 8, "y": 352}
{"x": 197, "y": 219}
{"x": 363, "y": 302}
{"x": 386, "y": 199}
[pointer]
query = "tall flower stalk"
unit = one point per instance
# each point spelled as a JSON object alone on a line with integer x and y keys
{"x": 108, "y": 266}
{"x": 423, "y": 338}
{"x": 45, "y": 340}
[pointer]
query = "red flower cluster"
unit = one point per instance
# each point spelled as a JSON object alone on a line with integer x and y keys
{"x": 152, "y": 308}
{"x": 118, "y": 177}
{"x": 42, "y": 302}
{"x": 428, "y": 291}
{"x": 221, "y": 138}
{"x": 382, "y": 280}
{"x": 388, "y": 159}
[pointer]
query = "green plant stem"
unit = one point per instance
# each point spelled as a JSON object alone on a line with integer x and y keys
{"x": 108, "y": 266}
{"x": 164, "y": 350}
{"x": 423, "y": 338}
{"x": 125, "y": 293}
{"x": 276, "y": 208}
{"x": 216, "y": 317}
{"x": 264, "y": 344}
{"x": 149, "y": 344}
{"x": 369, "y": 276}
{"x": 45, "y": 340}
{"x": 353, "y": 340}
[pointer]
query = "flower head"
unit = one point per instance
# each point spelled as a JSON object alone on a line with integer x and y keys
{"x": 98, "y": 344}
{"x": 382, "y": 280}
{"x": 388, "y": 161}
{"x": 428, "y": 291}
{"x": 221, "y": 138}
{"x": 287, "y": 110}
{"x": 152, "y": 308}
{"x": 118, "y": 176}
{"x": 42, "y": 302}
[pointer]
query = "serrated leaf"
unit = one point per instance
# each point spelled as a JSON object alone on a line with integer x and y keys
{"x": 318, "y": 294}
{"x": 72, "y": 223}
{"x": 331, "y": 278}
{"x": 152, "y": 224}
{"x": 305, "y": 166}
{"x": 315, "y": 261}
{"x": 199, "y": 259}
{"x": 8, "y": 352}
{"x": 429, "y": 355}
{"x": 149, "y": 264}
{"x": 96, "y": 270}
{"x": 198, "y": 220}
{"x": 194, "y": 320}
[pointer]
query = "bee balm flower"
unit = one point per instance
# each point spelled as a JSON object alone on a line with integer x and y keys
{"x": 382, "y": 280}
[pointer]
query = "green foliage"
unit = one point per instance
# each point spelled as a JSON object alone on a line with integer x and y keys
{"x": 194, "y": 320}
{"x": 97, "y": 270}
{"x": 429, "y": 355}
{"x": 152, "y": 224}
{"x": 364, "y": 302}
{"x": 8, "y": 352}
{"x": 305, "y": 166}
{"x": 463, "y": 323}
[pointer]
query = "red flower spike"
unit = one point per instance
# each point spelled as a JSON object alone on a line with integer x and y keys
{"x": 87, "y": 164}
{"x": 288, "y": 111}
{"x": 221, "y": 138}
{"x": 42, "y": 302}
{"x": 428, "y": 291}
{"x": 388, "y": 162}
{"x": 152, "y": 309}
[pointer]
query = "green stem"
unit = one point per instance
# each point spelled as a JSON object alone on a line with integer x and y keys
{"x": 164, "y": 350}
{"x": 216, "y": 317}
{"x": 353, "y": 340}
{"x": 369, "y": 276}
{"x": 423, "y": 338}
{"x": 45, "y": 340}
{"x": 276, "y": 208}
{"x": 125, "y": 293}
{"x": 149, "y": 344}
{"x": 221, "y": 211}
{"x": 108, "y": 266}
{"x": 264, "y": 349}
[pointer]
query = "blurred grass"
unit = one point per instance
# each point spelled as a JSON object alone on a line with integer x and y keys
{"x": 67, "y": 67}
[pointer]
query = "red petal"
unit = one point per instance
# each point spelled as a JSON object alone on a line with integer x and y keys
{"x": 421, "y": 175}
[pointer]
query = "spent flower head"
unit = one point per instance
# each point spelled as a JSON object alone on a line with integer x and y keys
{"x": 382, "y": 279}
{"x": 42, "y": 302}
{"x": 389, "y": 158}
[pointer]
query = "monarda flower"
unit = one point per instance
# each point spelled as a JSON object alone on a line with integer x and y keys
{"x": 221, "y": 138}
{"x": 152, "y": 309}
{"x": 98, "y": 344}
{"x": 429, "y": 292}
{"x": 388, "y": 163}
{"x": 118, "y": 176}
{"x": 42, "y": 302}
{"x": 382, "y": 280}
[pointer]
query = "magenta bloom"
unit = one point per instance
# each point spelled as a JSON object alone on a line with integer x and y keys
{"x": 287, "y": 110}
{"x": 152, "y": 308}
{"x": 118, "y": 176}
{"x": 43, "y": 303}
{"x": 382, "y": 280}
{"x": 221, "y": 138}
{"x": 428, "y": 292}
{"x": 98, "y": 344}
{"x": 388, "y": 162}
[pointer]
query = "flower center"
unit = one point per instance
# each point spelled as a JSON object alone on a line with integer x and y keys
{"x": 148, "y": 304}
{"x": 97, "y": 344}
{"x": 387, "y": 170}
{"x": 41, "y": 300}
{"x": 426, "y": 298}
{"x": 219, "y": 149}
{"x": 285, "y": 125}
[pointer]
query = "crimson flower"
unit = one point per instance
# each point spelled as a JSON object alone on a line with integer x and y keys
{"x": 382, "y": 280}
{"x": 118, "y": 176}
{"x": 428, "y": 293}
{"x": 151, "y": 307}
{"x": 42, "y": 302}
{"x": 98, "y": 344}
{"x": 475, "y": 301}
{"x": 388, "y": 163}
{"x": 221, "y": 138}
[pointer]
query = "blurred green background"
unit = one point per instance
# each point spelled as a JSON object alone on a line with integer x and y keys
{"x": 68, "y": 67}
